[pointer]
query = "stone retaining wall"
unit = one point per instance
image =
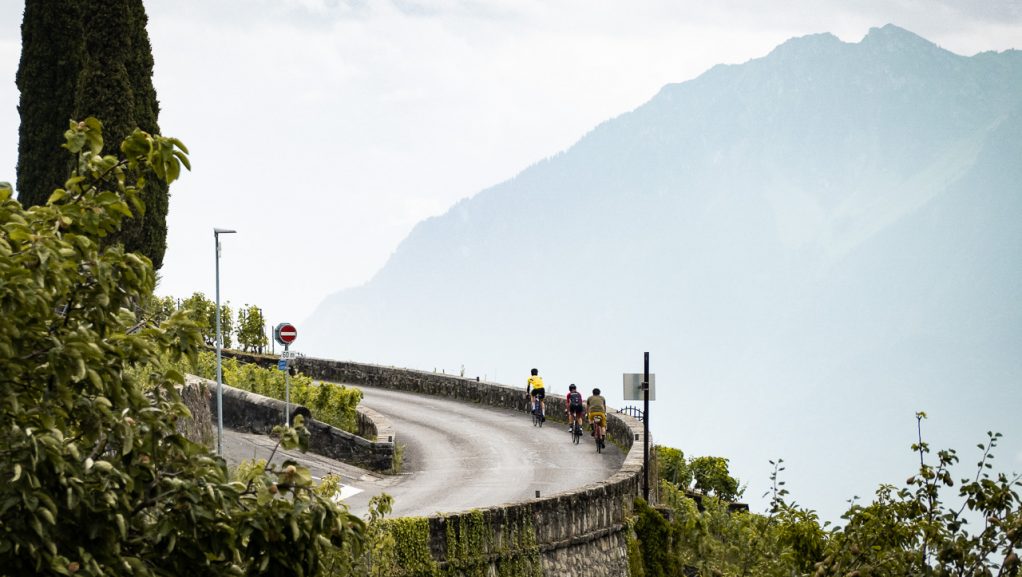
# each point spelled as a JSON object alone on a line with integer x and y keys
{"x": 572, "y": 533}
{"x": 251, "y": 413}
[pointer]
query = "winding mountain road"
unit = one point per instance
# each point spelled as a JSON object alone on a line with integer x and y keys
{"x": 457, "y": 456}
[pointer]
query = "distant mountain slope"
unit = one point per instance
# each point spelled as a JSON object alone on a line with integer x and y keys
{"x": 825, "y": 237}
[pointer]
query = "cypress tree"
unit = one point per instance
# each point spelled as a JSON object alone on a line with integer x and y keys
{"x": 52, "y": 46}
{"x": 109, "y": 76}
{"x": 115, "y": 85}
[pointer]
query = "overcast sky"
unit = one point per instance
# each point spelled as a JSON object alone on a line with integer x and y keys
{"x": 323, "y": 130}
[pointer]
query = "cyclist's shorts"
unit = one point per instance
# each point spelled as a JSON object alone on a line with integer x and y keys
{"x": 598, "y": 418}
{"x": 577, "y": 409}
{"x": 539, "y": 393}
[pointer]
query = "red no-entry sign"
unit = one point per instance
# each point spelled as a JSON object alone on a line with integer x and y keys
{"x": 285, "y": 333}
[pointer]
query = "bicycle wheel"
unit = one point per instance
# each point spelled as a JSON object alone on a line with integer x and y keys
{"x": 576, "y": 434}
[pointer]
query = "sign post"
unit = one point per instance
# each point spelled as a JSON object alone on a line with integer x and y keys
{"x": 642, "y": 386}
{"x": 285, "y": 334}
{"x": 645, "y": 426}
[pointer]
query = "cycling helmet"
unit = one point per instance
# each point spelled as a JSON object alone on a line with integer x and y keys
{"x": 596, "y": 391}
{"x": 572, "y": 387}
{"x": 535, "y": 372}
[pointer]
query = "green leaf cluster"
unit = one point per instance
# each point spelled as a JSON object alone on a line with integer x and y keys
{"x": 907, "y": 531}
{"x": 915, "y": 530}
{"x": 97, "y": 479}
{"x": 249, "y": 325}
{"x": 203, "y": 312}
{"x": 252, "y": 329}
{"x": 708, "y": 475}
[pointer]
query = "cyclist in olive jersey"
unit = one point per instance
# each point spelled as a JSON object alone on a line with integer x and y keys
{"x": 596, "y": 406}
{"x": 534, "y": 390}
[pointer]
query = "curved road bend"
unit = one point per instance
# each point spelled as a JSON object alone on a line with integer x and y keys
{"x": 460, "y": 456}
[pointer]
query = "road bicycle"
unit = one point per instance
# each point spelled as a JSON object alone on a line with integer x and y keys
{"x": 537, "y": 412}
{"x": 599, "y": 431}
{"x": 576, "y": 433}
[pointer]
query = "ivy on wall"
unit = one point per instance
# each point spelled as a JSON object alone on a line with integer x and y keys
{"x": 401, "y": 547}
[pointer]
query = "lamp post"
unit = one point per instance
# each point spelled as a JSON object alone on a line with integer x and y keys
{"x": 219, "y": 369}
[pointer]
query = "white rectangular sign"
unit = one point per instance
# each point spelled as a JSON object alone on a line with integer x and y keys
{"x": 633, "y": 386}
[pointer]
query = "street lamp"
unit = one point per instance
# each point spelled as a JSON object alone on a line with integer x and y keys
{"x": 219, "y": 369}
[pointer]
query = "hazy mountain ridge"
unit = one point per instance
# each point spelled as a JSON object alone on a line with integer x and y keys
{"x": 833, "y": 226}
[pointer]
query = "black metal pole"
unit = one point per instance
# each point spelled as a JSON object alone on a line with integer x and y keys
{"x": 645, "y": 427}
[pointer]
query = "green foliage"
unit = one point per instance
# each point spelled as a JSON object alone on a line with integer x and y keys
{"x": 800, "y": 536}
{"x": 635, "y": 564}
{"x": 903, "y": 532}
{"x": 51, "y": 55}
{"x": 330, "y": 403}
{"x": 203, "y": 312}
{"x": 97, "y": 479}
{"x": 469, "y": 540}
{"x": 718, "y": 541}
{"x": 656, "y": 546}
{"x": 251, "y": 470}
{"x": 709, "y": 475}
{"x": 89, "y": 59}
{"x": 381, "y": 556}
{"x": 712, "y": 476}
{"x": 251, "y": 329}
{"x": 913, "y": 531}
{"x": 158, "y": 309}
{"x": 673, "y": 467}
{"x": 226, "y": 325}
{"x": 401, "y": 547}
{"x": 411, "y": 554}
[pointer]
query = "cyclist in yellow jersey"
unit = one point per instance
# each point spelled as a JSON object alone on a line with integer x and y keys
{"x": 534, "y": 390}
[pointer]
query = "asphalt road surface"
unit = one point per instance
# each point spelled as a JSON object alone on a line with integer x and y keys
{"x": 456, "y": 456}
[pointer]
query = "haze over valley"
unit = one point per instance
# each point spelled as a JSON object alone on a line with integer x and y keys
{"x": 812, "y": 245}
